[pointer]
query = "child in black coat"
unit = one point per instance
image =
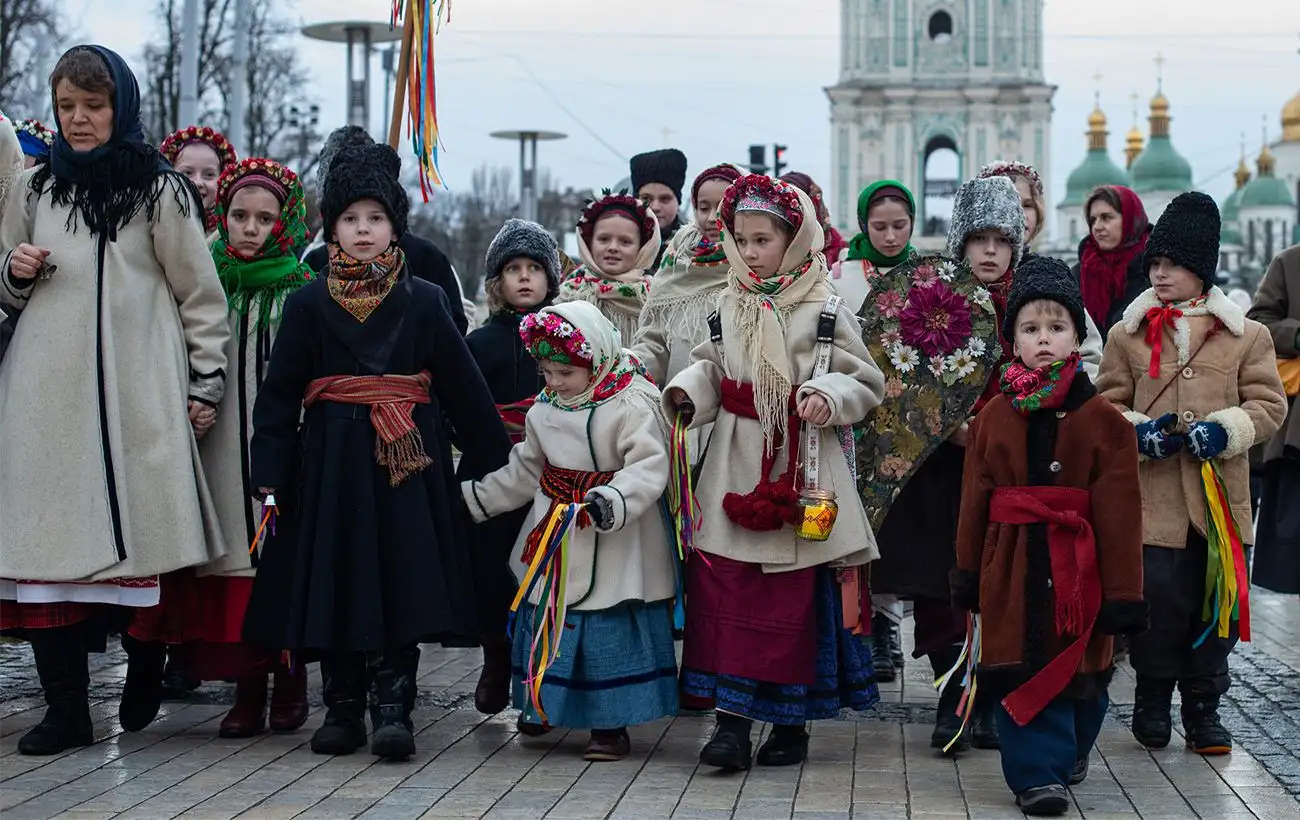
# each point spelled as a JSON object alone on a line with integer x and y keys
{"x": 522, "y": 275}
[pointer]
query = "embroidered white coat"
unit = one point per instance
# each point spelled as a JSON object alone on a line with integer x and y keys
{"x": 633, "y": 560}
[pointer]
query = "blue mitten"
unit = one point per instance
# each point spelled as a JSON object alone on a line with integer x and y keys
{"x": 1155, "y": 442}
{"x": 1207, "y": 439}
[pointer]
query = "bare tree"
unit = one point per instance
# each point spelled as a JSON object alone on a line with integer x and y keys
{"x": 276, "y": 78}
{"x": 31, "y": 34}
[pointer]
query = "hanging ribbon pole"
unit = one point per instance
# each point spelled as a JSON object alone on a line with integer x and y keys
{"x": 415, "y": 92}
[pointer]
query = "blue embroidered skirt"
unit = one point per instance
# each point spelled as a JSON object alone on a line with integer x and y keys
{"x": 842, "y": 675}
{"x": 616, "y": 667}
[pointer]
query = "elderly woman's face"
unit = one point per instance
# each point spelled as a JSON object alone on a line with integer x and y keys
{"x": 85, "y": 117}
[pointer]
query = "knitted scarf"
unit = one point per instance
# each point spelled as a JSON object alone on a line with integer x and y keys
{"x": 360, "y": 287}
{"x": 1042, "y": 388}
{"x": 1103, "y": 275}
{"x": 620, "y": 297}
{"x": 259, "y": 285}
{"x": 759, "y": 309}
{"x": 860, "y": 246}
{"x": 692, "y": 274}
{"x": 107, "y": 186}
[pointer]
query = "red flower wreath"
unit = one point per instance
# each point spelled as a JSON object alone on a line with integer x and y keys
{"x": 172, "y": 146}
{"x": 622, "y": 202}
{"x": 783, "y": 194}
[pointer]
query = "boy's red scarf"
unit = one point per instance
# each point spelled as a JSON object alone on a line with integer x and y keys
{"x": 392, "y": 400}
{"x": 1076, "y": 582}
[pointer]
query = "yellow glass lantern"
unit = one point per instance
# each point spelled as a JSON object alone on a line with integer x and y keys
{"x": 819, "y": 512}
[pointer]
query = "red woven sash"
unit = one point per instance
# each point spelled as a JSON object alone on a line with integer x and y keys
{"x": 513, "y": 416}
{"x": 1076, "y": 582}
{"x": 772, "y": 503}
{"x": 563, "y": 487}
{"x": 392, "y": 400}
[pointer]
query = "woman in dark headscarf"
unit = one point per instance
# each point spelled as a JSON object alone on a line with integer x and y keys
{"x": 1110, "y": 256}
{"x": 116, "y": 368}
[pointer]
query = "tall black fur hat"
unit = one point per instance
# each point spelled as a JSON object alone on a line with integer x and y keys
{"x": 667, "y": 167}
{"x": 1187, "y": 234}
{"x": 1042, "y": 277}
{"x": 365, "y": 172}
{"x": 519, "y": 237}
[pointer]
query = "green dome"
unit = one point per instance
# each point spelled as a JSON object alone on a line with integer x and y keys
{"x": 1229, "y": 236}
{"x": 1231, "y": 206}
{"x": 1265, "y": 191}
{"x": 1161, "y": 168}
{"x": 1096, "y": 170}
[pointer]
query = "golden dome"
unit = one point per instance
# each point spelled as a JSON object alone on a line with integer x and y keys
{"x": 1096, "y": 120}
{"x": 1135, "y": 137}
{"x": 1266, "y": 162}
{"x": 1291, "y": 119}
{"x": 1242, "y": 174}
{"x": 1159, "y": 104}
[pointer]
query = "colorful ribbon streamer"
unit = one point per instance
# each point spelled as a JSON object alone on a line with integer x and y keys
{"x": 967, "y": 663}
{"x": 422, "y": 102}
{"x": 1227, "y": 590}
{"x": 269, "y": 512}
{"x": 550, "y": 570}
{"x": 682, "y": 503}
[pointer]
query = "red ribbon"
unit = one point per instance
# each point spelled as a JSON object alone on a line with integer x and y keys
{"x": 1157, "y": 318}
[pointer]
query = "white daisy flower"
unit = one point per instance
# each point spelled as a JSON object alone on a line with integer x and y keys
{"x": 936, "y": 365}
{"x": 947, "y": 270}
{"x": 961, "y": 362}
{"x": 976, "y": 347}
{"x": 904, "y": 358}
{"x": 982, "y": 298}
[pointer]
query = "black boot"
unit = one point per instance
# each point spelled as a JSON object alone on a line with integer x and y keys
{"x": 177, "y": 683}
{"x": 882, "y": 656}
{"x": 947, "y": 723}
{"x": 1205, "y": 734}
{"x": 786, "y": 746}
{"x": 1152, "y": 724}
{"x": 392, "y": 696}
{"x": 142, "y": 691}
{"x": 344, "y": 692}
{"x": 984, "y": 724}
{"x": 730, "y": 748}
{"x": 61, "y": 664}
{"x": 896, "y": 645}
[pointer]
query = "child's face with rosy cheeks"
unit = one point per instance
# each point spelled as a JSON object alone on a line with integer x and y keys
{"x": 762, "y": 240}
{"x": 565, "y": 380}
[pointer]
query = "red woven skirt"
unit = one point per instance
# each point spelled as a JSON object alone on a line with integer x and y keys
{"x": 743, "y": 622}
{"x": 14, "y": 615}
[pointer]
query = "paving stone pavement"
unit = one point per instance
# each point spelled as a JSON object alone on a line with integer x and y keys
{"x": 877, "y": 766}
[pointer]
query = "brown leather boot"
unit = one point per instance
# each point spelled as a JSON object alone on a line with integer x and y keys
{"x": 289, "y": 700}
{"x": 492, "y": 695}
{"x": 248, "y": 716}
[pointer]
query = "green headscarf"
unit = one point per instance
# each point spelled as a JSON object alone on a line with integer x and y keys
{"x": 261, "y": 285}
{"x": 860, "y": 246}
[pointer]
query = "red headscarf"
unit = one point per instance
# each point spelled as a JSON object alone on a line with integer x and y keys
{"x": 1104, "y": 274}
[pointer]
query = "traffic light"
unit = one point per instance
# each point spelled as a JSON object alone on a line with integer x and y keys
{"x": 758, "y": 159}
{"x": 778, "y": 163}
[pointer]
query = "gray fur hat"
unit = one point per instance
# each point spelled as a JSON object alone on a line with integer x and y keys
{"x": 519, "y": 237}
{"x": 349, "y": 136}
{"x": 987, "y": 204}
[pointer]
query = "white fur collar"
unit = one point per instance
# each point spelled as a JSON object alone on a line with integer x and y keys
{"x": 1217, "y": 304}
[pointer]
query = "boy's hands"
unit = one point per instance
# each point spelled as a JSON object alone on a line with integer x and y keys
{"x": 1207, "y": 439}
{"x": 1155, "y": 439}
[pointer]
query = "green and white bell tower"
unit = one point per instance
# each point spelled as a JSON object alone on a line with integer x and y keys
{"x": 919, "y": 76}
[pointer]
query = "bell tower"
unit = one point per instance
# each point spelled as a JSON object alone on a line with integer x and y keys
{"x": 929, "y": 91}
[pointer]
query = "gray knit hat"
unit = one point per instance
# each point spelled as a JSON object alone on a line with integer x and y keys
{"x": 349, "y": 136}
{"x": 519, "y": 237}
{"x": 987, "y": 204}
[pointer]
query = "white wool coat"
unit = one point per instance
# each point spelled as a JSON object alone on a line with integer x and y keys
{"x": 99, "y": 470}
{"x": 632, "y": 560}
{"x": 853, "y": 386}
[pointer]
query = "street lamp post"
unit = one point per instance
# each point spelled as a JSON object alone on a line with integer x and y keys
{"x": 304, "y": 121}
{"x": 360, "y": 38}
{"x": 528, "y": 165}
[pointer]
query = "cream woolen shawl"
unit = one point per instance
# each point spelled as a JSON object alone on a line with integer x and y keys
{"x": 684, "y": 292}
{"x": 761, "y": 319}
{"x": 621, "y": 297}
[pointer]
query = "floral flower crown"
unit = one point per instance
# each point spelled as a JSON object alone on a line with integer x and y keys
{"x": 763, "y": 193}
{"x": 290, "y": 229}
{"x": 35, "y": 129}
{"x": 174, "y": 144}
{"x": 1008, "y": 168}
{"x": 550, "y": 338}
{"x": 622, "y": 202}
{"x": 726, "y": 172}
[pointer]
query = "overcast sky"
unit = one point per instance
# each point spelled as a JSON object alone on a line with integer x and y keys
{"x": 721, "y": 74}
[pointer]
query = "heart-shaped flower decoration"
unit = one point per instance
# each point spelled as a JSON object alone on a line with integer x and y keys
{"x": 931, "y": 328}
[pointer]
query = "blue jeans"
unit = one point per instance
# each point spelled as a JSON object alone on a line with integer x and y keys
{"x": 1044, "y": 752}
